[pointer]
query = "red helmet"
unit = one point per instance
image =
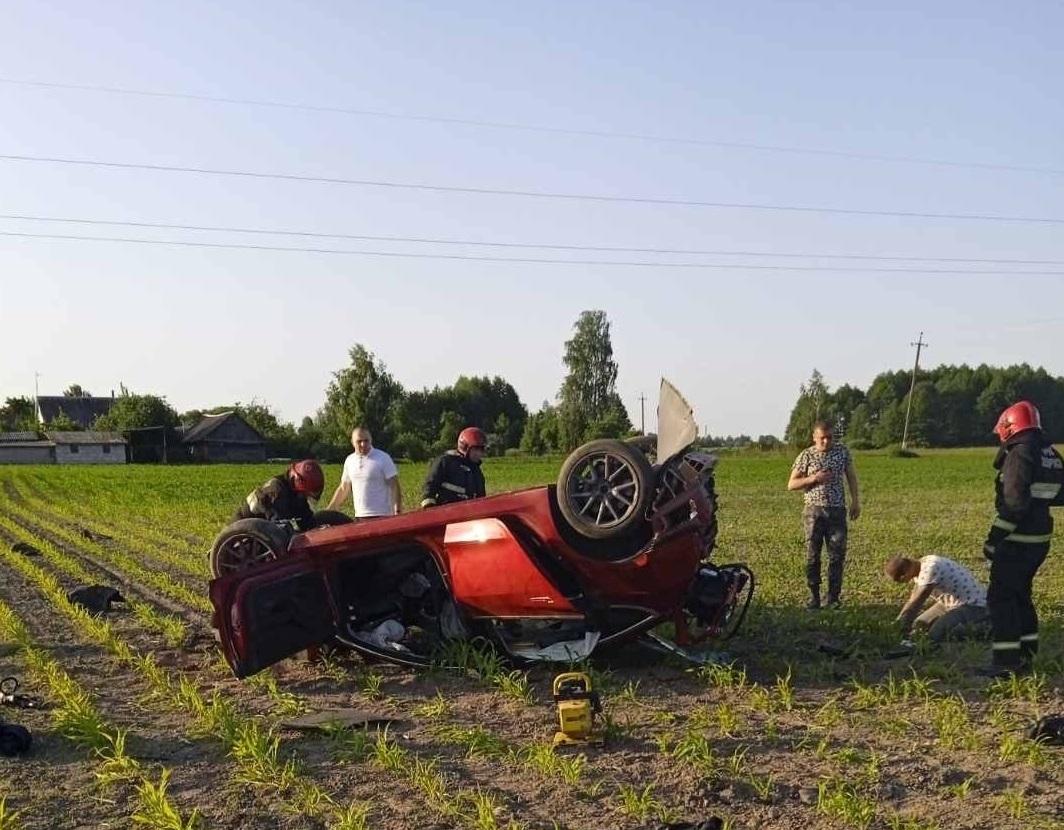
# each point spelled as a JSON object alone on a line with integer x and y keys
{"x": 471, "y": 437}
{"x": 1018, "y": 418}
{"x": 307, "y": 477}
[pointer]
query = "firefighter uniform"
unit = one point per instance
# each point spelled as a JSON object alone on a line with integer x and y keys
{"x": 452, "y": 478}
{"x": 1030, "y": 479}
{"x": 276, "y": 500}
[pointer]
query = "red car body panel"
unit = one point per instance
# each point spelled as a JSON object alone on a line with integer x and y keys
{"x": 495, "y": 554}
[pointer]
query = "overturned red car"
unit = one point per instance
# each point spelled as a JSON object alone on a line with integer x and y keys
{"x": 618, "y": 546}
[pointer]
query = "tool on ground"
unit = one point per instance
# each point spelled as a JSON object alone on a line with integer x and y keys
{"x": 577, "y": 706}
{"x": 9, "y": 697}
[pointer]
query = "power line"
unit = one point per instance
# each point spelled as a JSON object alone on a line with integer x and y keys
{"x": 524, "y": 260}
{"x": 422, "y": 240}
{"x": 537, "y": 128}
{"x": 536, "y": 194}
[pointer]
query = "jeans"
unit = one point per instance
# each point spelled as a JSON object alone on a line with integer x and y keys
{"x": 824, "y": 527}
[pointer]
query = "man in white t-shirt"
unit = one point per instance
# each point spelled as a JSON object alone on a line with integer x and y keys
{"x": 370, "y": 479}
{"x": 959, "y": 607}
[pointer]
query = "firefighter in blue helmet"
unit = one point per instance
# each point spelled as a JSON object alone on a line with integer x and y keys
{"x": 1029, "y": 481}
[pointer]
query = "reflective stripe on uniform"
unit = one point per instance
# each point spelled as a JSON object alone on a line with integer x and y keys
{"x": 1004, "y": 524}
{"x": 454, "y": 488}
{"x": 1045, "y": 490}
{"x": 1029, "y": 638}
{"x": 1028, "y": 539}
{"x": 1005, "y": 646}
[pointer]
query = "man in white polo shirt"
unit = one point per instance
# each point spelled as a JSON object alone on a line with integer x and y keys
{"x": 370, "y": 479}
{"x": 960, "y": 599}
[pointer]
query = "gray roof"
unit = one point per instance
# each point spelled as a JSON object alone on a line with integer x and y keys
{"x": 210, "y": 423}
{"x": 10, "y": 437}
{"x": 82, "y": 411}
{"x": 22, "y": 445}
{"x": 86, "y": 437}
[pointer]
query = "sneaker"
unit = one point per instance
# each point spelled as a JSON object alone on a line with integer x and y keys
{"x": 813, "y": 605}
{"x": 833, "y": 604}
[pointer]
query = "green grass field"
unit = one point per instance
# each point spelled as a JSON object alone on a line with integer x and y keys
{"x": 785, "y": 737}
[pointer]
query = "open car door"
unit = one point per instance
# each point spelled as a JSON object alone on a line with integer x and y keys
{"x": 271, "y": 612}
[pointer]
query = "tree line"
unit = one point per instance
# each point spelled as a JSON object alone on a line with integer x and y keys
{"x": 414, "y": 424}
{"x": 952, "y": 406}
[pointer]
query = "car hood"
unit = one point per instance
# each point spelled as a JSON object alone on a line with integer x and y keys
{"x": 676, "y": 422}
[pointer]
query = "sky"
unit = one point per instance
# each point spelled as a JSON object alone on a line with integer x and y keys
{"x": 773, "y": 145}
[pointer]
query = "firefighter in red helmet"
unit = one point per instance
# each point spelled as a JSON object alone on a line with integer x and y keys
{"x": 456, "y": 475}
{"x": 1029, "y": 481}
{"x": 288, "y": 496}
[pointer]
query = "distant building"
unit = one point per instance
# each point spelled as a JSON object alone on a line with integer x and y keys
{"x": 88, "y": 447}
{"x": 225, "y": 437}
{"x": 82, "y": 411}
{"x": 25, "y": 448}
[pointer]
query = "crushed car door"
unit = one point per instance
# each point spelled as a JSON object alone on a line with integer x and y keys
{"x": 271, "y": 612}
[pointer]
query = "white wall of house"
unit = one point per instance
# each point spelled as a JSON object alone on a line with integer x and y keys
{"x": 90, "y": 454}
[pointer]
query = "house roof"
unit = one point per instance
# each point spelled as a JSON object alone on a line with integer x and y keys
{"x": 82, "y": 411}
{"x": 86, "y": 437}
{"x": 209, "y": 423}
{"x": 22, "y": 445}
{"x": 11, "y": 437}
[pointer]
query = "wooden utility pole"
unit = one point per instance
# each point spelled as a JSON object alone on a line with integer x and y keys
{"x": 912, "y": 385}
{"x": 642, "y": 414}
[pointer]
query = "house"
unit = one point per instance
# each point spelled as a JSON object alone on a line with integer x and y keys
{"x": 88, "y": 447}
{"x": 82, "y": 411}
{"x": 225, "y": 437}
{"x": 25, "y": 448}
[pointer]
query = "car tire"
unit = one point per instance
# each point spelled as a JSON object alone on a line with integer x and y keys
{"x": 246, "y": 543}
{"x": 331, "y": 518}
{"x": 605, "y": 488}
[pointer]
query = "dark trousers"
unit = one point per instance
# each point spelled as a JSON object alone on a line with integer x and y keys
{"x": 1013, "y": 618}
{"x": 824, "y": 527}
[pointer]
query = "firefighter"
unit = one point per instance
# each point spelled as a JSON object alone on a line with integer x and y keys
{"x": 287, "y": 496}
{"x": 456, "y": 475}
{"x": 1029, "y": 480}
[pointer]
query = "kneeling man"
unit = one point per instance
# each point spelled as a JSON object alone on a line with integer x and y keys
{"x": 959, "y": 608}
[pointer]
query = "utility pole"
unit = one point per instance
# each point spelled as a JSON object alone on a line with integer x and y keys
{"x": 642, "y": 414}
{"x": 36, "y": 394}
{"x": 908, "y": 407}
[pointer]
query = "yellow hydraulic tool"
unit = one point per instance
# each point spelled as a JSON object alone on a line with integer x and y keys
{"x": 577, "y": 707}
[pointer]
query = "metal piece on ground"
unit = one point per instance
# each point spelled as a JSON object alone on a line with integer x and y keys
{"x": 698, "y": 658}
{"x": 336, "y": 718}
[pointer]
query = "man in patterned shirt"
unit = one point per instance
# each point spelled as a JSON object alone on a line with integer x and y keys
{"x": 818, "y": 472}
{"x": 960, "y": 601}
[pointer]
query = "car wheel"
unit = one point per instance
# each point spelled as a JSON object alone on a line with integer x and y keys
{"x": 605, "y": 488}
{"x": 331, "y": 518}
{"x": 246, "y": 543}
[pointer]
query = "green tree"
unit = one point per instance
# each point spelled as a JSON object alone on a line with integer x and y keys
{"x": 75, "y": 390}
{"x": 362, "y": 393}
{"x": 62, "y": 423}
{"x": 131, "y": 411}
{"x": 588, "y": 393}
{"x": 18, "y": 415}
{"x": 812, "y": 404}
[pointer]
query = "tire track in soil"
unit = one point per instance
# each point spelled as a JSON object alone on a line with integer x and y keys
{"x": 55, "y": 785}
